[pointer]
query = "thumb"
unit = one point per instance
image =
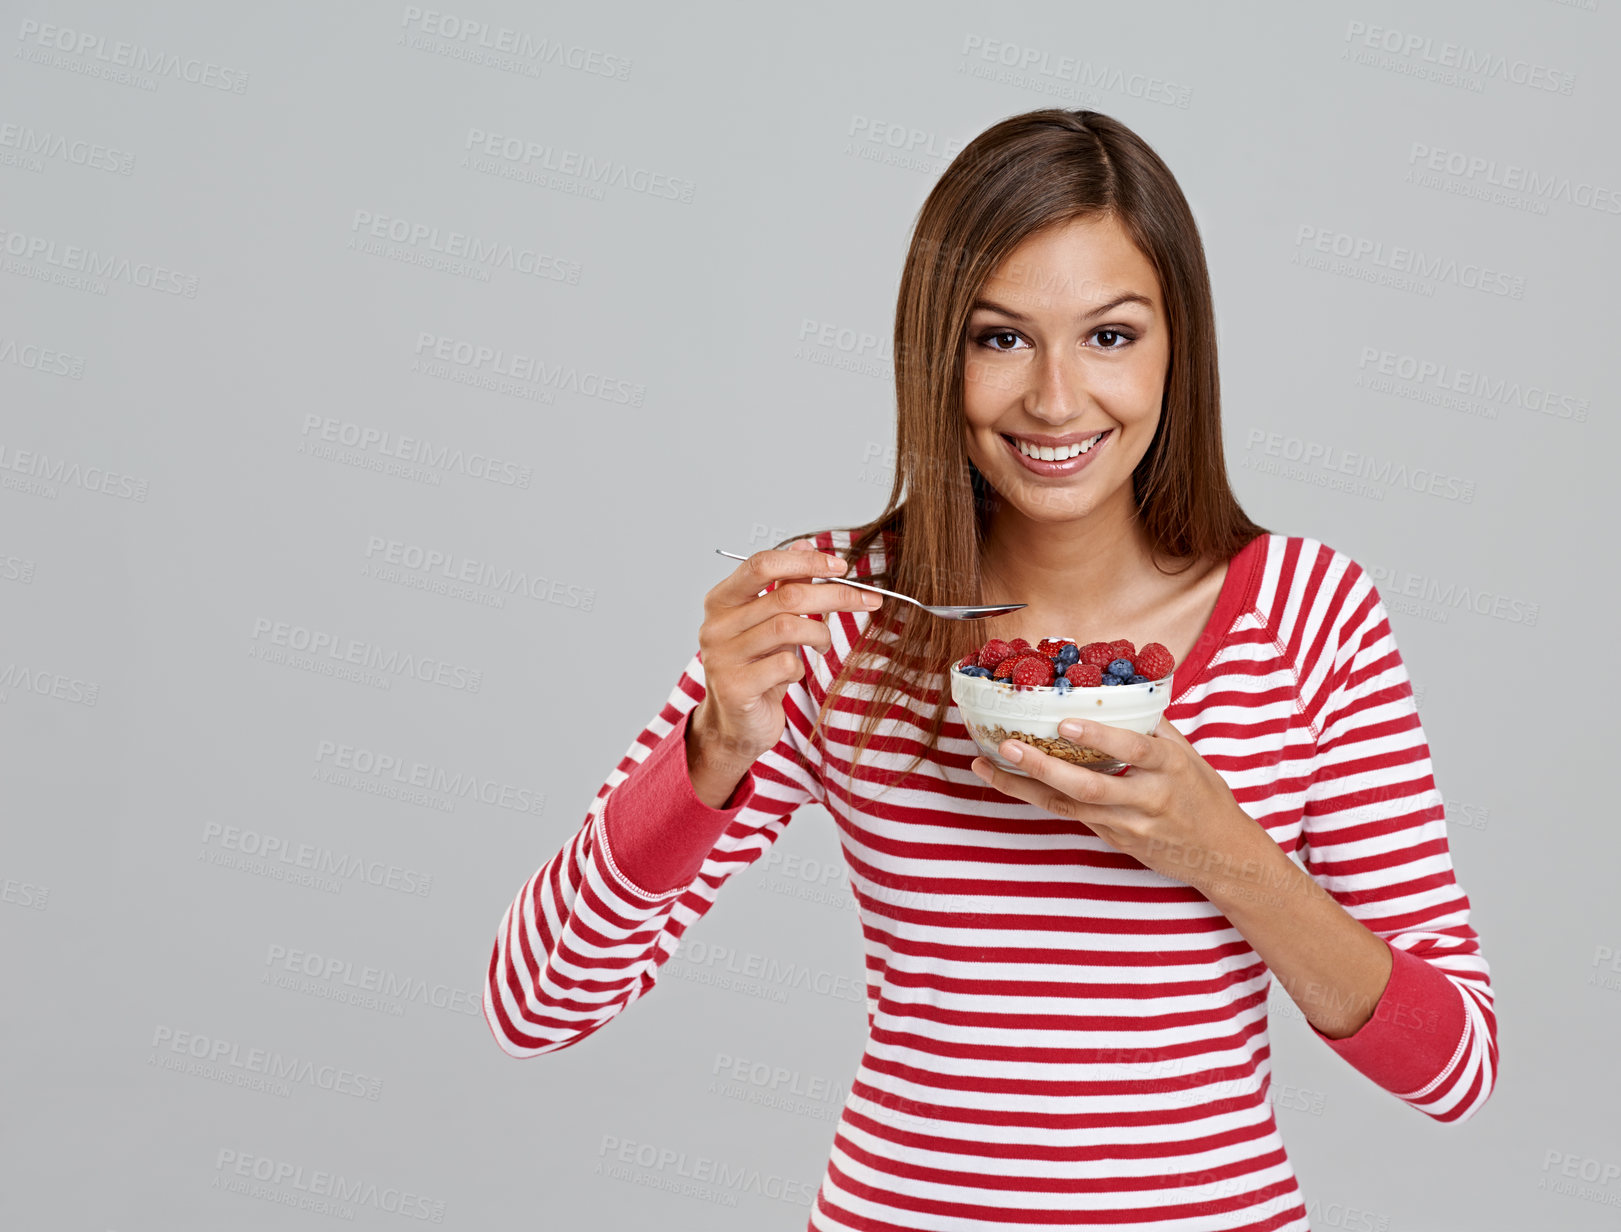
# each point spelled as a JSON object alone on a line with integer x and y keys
{"x": 1169, "y": 730}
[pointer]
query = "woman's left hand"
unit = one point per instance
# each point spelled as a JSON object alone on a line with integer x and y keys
{"x": 1170, "y": 811}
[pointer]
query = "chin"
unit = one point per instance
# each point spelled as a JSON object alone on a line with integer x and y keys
{"x": 1040, "y": 504}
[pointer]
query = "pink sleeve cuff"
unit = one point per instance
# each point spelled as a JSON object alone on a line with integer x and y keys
{"x": 659, "y": 830}
{"x": 1417, "y": 1027}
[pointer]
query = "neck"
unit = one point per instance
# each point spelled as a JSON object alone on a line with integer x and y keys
{"x": 1080, "y": 570}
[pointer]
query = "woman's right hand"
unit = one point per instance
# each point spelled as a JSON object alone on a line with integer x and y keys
{"x": 754, "y": 620}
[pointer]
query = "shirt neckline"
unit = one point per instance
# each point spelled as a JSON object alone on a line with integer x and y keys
{"x": 1236, "y": 596}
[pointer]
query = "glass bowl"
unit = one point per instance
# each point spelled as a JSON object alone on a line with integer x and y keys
{"x": 994, "y": 711}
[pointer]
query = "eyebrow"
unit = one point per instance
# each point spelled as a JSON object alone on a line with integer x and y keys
{"x": 1131, "y": 297}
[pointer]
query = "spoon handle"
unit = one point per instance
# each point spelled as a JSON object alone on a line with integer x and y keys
{"x": 841, "y": 581}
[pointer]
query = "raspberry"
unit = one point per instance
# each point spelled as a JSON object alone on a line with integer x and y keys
{"x": 1062, "y": 659}
{"x": 1099, "y": 654}
{"x": 1155, "y": 661}
{"x": 1032, "y": 670}
{"x": 1085, "y": 675}
{"x": 1004, "y": 669}
{"x": 993, "y": 652}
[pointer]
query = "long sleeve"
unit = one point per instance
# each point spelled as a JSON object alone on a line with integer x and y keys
{"x": 1375, "y": 832}
{"x": 586, "y": 935}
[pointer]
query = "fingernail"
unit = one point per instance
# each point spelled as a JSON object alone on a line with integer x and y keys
{"x": 1012, "y": 751}
{"x": 871, "y": 600}
{"x": 834, "y": 563}
{"x": 1071, "y": 727}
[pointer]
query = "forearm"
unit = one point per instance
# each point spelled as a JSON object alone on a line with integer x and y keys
{"x": 1327, "y": 960}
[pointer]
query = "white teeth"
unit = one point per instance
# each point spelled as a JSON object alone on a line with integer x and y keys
{"x": 1048, "y": 454}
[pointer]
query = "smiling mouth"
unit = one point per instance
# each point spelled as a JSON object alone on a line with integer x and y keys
{"x": 1061, "y": 453}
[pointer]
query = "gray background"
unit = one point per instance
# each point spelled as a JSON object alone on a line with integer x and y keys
{"x": 157, "y": 735}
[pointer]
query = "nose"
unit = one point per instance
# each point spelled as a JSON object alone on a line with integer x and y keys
{"x": 1057, "y": 390}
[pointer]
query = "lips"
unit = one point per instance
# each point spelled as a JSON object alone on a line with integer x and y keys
{"x": 1069, "y": 466}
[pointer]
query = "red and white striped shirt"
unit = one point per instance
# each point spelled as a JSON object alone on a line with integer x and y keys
{"x": 1057, "y": 1035}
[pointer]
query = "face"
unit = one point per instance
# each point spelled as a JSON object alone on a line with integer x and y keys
{"x": 1066, "y": 340}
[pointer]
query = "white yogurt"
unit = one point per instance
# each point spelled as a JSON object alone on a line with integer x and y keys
{"x": 1038, "y": 710}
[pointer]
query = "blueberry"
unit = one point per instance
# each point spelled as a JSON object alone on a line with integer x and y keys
{"x": 976, "y": 671}
{"x": 1061, "y": 685}
{"x": 1108, "y": 679}
{"x": 1121, "y": 668}
{"x": 1137, "y": 680}
{"x": 1068, "y": 656}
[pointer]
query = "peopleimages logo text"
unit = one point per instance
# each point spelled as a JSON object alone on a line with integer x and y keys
{"x": 314, "y": 859}
{"x": 603, "y": 172}
{"x": 517, "y": 43}
{"x": 478, "y": 250}
{"x": 531, "y": 369}
{"x": 429, "y": 777}
{"x": 1399, "y": 259}
{"x": 380, "y": 980}
{"x": 41, "y": 359}
{"x": 79, "y": 259}
{"x": 323, "y": 1183}
{"x": 133, "y": 56}
{"x": 419, "y": 559}
{"x": 417, "y": 450}
{"x": 31, "y": 142}
{"x": 1465, "y": 59}
{"x": 225, "y": 1053}
{"x": 1424, "y": 480}
{"x": 389, "y": 660}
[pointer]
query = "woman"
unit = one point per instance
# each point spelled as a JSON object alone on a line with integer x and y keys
{"x": 1067, "y": 973}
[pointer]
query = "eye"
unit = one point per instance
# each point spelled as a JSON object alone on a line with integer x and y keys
{"x": 984, "y": 340}
{"x": 1005, "y": 340}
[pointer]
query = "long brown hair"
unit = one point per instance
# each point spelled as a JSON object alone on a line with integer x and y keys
{"x": 1025, "y": 173}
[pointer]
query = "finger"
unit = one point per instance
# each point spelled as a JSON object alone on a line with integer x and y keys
{"x": 772, "y": 564}
{"x": 815, "y": 562}
{"x": 798, "y": 597}
{"x": 777, "y": 631}
{"x": 1063, "y": 779}
{"x": 790, "y": 616}
{"x": 824, "y": 593}
{"x": 746, "y": 679}
{"x": 801, "y": 564}
{"x": 766, "y": 568}
{"x": 1031, "y": 790}
{"x": 1120, "y": 743}
{"x": 1017, "y": 786}
{"x": 1168, "y": 730}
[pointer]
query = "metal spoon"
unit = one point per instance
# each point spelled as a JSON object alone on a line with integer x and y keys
{"x": 945, "y": 611}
